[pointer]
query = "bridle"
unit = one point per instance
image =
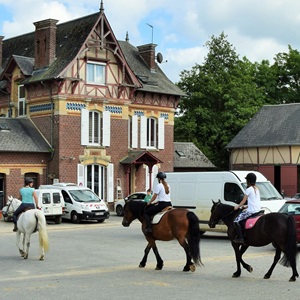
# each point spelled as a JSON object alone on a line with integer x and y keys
{"x": 10, "y": 204}
{"x": 226, "y": 216}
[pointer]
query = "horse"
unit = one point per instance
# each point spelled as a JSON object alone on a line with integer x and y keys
{"x": 276, "y": 228}
{"x": 178, "y": 223}
{"x": 29, "y": 222}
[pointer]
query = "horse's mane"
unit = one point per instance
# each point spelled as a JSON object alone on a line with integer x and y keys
{"x": 136, "y": 207}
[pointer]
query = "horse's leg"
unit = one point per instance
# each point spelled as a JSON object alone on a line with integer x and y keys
{"x": 276, "y": 259}
{"x": 18, "y": 238}
{"x": 245, "y": 265}
{"x": 238, "y": 258}
{"x": 159, "y": 261}
{"x": 27, "y": 244}
{"x": 146, "y": 252}
{"x": 189, "y": 266}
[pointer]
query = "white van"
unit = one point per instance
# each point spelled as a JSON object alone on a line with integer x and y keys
{"x": 52, "y": 204}
{"x": 196, "y": 190}
{"x": 81, "y": 203}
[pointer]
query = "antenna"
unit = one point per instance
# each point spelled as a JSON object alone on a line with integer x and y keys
{"x": 152, "y": 31}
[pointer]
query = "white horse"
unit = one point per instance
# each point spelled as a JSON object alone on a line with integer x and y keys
{"x": 29, "y": 222}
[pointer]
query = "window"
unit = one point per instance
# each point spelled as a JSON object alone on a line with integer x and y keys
{"x": 233, "y": 193}
{"x": 21, "y": 100}
{"x": 95, "y": 179}
{"x": 95, "y": 128}
{"x": 152, "y": 134}
{"x": 95, "y": 73}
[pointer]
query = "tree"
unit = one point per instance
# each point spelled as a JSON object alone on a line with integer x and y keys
{"x": 222, "y": 97}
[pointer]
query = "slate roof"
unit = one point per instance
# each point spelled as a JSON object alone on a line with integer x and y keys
{"x": 21, "y": 135}
{"x": 70, "y": 37}
{"x": 187, "y": 155}
{"x": 273, "y": 125}
{"x": 157, "y": 81}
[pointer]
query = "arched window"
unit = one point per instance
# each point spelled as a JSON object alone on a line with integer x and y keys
{"x": 96, "y": 179}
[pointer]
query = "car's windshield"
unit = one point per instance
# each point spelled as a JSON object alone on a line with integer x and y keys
{"x": 84, "y": 196}
{"x": 267, "y": 191}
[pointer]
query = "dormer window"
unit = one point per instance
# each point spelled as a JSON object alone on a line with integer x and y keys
{"x": 21, "y": 100}
{"x": 95, "y": 73}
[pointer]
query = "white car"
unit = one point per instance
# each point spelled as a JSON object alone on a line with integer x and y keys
{"x": 119, "y": 205}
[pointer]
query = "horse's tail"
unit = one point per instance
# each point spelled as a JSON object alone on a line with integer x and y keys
{"x": 291, "y": 250}
{"x": 193, "y": 237}
{"x": 43, "y": 235}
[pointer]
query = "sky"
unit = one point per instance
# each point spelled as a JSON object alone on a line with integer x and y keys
{"x": 257, "y": 29}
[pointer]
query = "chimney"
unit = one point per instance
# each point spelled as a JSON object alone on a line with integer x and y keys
{"x": 147, "y": 52}
{"x": 1, "y": 51}
{"x": 45, "y": 43}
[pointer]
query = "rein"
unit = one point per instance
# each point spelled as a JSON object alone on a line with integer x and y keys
{"x": 226, "y": 216}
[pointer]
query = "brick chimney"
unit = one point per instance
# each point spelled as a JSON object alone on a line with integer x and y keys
{"x": 45, "y": 43}
{"x": 1, "y": 51}
{"x": 147, "y": 52}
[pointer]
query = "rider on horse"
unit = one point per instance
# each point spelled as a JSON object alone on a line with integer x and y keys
{"x": 162, "y": 191}
{"x": 252, "y": 196}
{"x": 28, "y": 195}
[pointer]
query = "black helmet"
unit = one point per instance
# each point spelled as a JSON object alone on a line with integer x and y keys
{"x": 161, "y": 175}
{"x": 251, "y": 177}
{"x": 28, "y": 180}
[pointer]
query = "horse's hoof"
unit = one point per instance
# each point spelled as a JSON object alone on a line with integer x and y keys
{"x": 292, "y": 279}
{"x": 267, "y": 276}
{"x": 42, "y": 258}
{"x": 192, "y": 268}
{"x": 141, "y": 266}
{"x": 235, "y": 275}
{"x": 250, "y": 269}
{"x": 158, "y": 268}
{"x": 25, "y": 256}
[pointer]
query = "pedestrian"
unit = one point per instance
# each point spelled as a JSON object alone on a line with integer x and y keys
{"x": 29, "y": 200}
{"x": 161, "y": 192}
{"x": 148, "y": 196}
{"x": 252, "y": 196}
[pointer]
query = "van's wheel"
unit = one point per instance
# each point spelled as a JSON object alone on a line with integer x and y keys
{"x": 58, "y": 219}
{"x": 202, "y": 232}
{"x": 119, "y": 210}
{"x": 100, "y": 221}
{"x": 75, "y": 218}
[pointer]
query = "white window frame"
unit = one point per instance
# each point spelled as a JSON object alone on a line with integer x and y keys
{"x": 146, "y": 133}
{"x": 133, "y": 132}
{"x": 21, "y": 101}
{"x": 91, "y": 73}
{"x": 152, "y": 132}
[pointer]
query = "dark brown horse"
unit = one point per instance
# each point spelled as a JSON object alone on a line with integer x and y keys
{"x": 276, "y": 228}
{"x": 178, "y": 223}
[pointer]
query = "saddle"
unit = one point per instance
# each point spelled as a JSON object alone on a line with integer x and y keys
{"x": 251, "y": 220}
{"x": 156, "y": 218}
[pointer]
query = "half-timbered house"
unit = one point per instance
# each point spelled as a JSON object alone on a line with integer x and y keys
{"x": 78, "y": 105}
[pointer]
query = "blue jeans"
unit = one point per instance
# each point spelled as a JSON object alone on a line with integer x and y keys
{"x": 20, "y": 209}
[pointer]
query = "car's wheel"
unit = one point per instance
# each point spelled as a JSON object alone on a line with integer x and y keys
{"x": 100, "y": 221}
{"x": 58, "y": 219}
{"x": 119, "y": 210}
{"x": 75, "y": 218}
{"x": 6, "y": 218}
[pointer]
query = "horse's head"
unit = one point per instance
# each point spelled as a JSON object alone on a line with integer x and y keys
{"x": 12, "y": 203}
{"x": 215, "y": 216}
{"x": 132, "y": 210}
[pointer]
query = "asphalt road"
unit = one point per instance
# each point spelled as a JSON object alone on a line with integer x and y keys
{"x": 100, "y": 261}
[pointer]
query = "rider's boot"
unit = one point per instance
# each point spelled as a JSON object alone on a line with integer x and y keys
{"x": 240, "y": 235}
{"x": 148, "y": 228}
{"x": 15, "y": 228}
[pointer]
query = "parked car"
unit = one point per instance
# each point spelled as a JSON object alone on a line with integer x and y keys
{"x": 119, "y": 205}
{"x": 296, "y": 196}
{"x": 292, "y": 207}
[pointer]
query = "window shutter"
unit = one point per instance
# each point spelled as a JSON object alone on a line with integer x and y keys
{"x": 84, "y": 126}
{"x": 106, "y": 128}
{"x": 134, "y": 132}
{"x": 80, "y": 175}
{"x": 110, "y": 183}
{"x": 161, "y": 133}
{"x": 143, "y": 132}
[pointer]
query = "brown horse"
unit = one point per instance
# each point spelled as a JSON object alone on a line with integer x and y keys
{"x": 276, "y": 228}
{"x": 178, "y": 223}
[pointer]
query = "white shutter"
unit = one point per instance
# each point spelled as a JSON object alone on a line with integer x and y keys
{"x": 161, "y": 133}
{"x": 80, "y": 175}
{"x": 110, "y": 183}
{"x": 134, "y": 133}
{"x": 84, "y": 126}
{"x": 143, "y": 138}
{"x": 106, "y": 128}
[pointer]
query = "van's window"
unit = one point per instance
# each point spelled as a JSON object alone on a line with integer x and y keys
{"x": 46, "y": 198}
{"x": 233, "y": 193}
{"x": 56, "y": 198}
{"x": 66, "y": 197}
{"x": 84, "y": 196}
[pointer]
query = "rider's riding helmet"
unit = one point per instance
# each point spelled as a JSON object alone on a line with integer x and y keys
{"x": 161, "y": 175}
{"x": 251, "y": 177}
{"x": 28, "y": 180}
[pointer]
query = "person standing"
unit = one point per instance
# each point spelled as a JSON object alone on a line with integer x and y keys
{"x": 148, "y": 196}
{"x": 29, "y": 200}
{"x": 162, "y": 193}
{"x": 252, "y": 196}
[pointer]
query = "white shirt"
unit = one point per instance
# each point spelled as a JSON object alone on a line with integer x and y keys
{"x": 253, "y": 200}
{"x": 161, "y": 193}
